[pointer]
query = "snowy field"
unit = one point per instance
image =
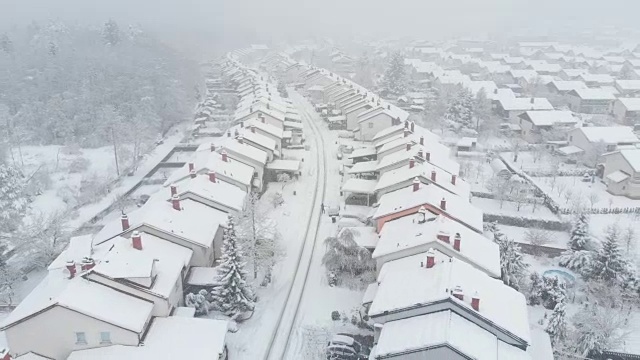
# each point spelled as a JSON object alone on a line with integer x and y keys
{"x": 565, "y": 189}
{"x": 556, "y": 239}
{"x": 510, "y": 208}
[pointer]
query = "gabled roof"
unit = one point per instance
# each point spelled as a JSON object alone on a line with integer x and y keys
{"x": 437, "y": 157}
{"x": 549, "y": 118}
{"x": 248, "y": 151}
{"x": 632, "y": 156}
{"x": 609, "y": 134}
{"x": 568, "y": 85}
{"x": 258, "y": 139}
{"x": 592, "y": 94}
{"x": 633, "y": 85}
{"x": 268, "y": 128}
{"x": 424, "y": 171}
{"x": 524, "y": 104}
{"x": 219, "y": 192}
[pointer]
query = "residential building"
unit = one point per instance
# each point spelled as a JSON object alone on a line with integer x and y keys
{"x": 622, "y": 172}
{"x": 590, "y": 101}
{"x": 511, "y": 108}
{"x": 538, "y": 126}
{"x": 597, "y": 140}
{"x": 627, "y": 110}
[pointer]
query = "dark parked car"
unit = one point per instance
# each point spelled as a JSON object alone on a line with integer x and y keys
{"x": 345, "y": 347}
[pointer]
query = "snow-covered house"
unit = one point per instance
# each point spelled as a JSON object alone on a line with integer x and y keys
{"x": 628, "y": 88}
{"x": 273, "y": 132}
{"x": 511, "y": 108}
{"x": 174, "y": 337}
{"x": 597, "y": 140}
{"x": 252, "y": 137}
{"x": 354, "y": 109}
{"x": 208, "y": 190}
{"x": 622, "y": 172}
{"x": 427, "y": 173}
{"x": 564, "y": 86}
{"x": 410, "y": 139}
{"x": 432, "y": 153}
{"x": 627, "y": 110}
{"x": 408, "y": 201}
{"x": 424, "y": 284}
{"x": 373, "y": 120}
{"x": 590, "y": 101}
{"x": 64, "y": 314}
{"x": 237, "y": 150}
{"x": 593, "y": 80}
{"x": 263, "y": 113}
{"x": 572, "y": 74}
{"x": 412, "y": 235}
{"x": 534, "y": 124}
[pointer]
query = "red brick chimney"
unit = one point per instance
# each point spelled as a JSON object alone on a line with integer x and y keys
{"x": 453, "y": 179}
{"x": 406, "y": 132}
{"x": 412, "y": 163}
{"x": 87, "y": 264}
{"x": 213, "y": 147}
{"x": 475, "y": 301}
{"x": 174, "y": 189}
{"x": 427, "y": 156}
{"x": 433, "y": 175}
{"x": 71, "y": 266}
{"x": 253, "y": 129}
{"x": 413, "y": 126}
{"x": 443, "y": 204}
{"x": 416, "y": 184}
{"x": 431, "y": 258}
{"x": 443, "y": 236}
{"x": 136, "y": 240}
{"x": 193, "y": 174}
{"x": 125, "y": 222}
{"x": 421, "y": 140}
{"x": 408, "y": 146}
{"x": 192, "y": 166}
{"x": 175, "y": 201}
{"x": 212, "y": 176}
{"x": 420, "y": 154}
{"x": 225, "y": 157}
{"x": 456, "y": 242}
{"x": 458, "y": 293}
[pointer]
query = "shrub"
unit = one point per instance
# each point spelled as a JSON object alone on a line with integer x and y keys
{"x": 335, "y": 315}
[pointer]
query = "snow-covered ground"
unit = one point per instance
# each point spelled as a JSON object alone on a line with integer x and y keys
{"x": 510, "y": 208}
{"x": 593, "y": 195}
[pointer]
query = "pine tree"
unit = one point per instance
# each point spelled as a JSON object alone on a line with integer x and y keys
{"x": 111, "y": 33}
{"x": 580, "y": 233}
{"x": 511, "y": 260}
{"x": 13, "y": 200}
{"x": 232, "y": 294}
{"x": 460, "y": 111}
{"x": 394, "y": 81}
{"x": 557, "y": 325}
{"x": 609, "y": 264}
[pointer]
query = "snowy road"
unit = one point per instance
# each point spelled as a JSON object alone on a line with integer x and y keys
{"x": 279, "y": 341}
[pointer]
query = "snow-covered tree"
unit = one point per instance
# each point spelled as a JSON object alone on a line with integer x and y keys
{"x": 232, "y": 294}
{"x": 481, "y": 108}
{"x": 580, "y": 236}
{"x": 460, "y": 111}
{"x": 511, "y": 260}
{"x": 598, "y": 328}
{"x": 580, "y": 261}
{"x": 198, "y": 301}
{"x": 13, "y": 200}
{"x": 111, "y": 33}
{"x": 557, "y": 325}
{"x": 394, "y": 81}
{"x": 609, "y": 264}
{"x": 343, "y": 255}
{"x": 6, "y": 44}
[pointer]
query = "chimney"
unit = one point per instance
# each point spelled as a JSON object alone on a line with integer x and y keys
{"x": 456, "y": 242}
{"x": 421, "y": 140}
{"x": 212, "y": 176}
{"x": 433, "y": 175}
{"x": 388, "y": 107}
{"x": 458, "y": 293}
{"x": 228, "y": 133}
{"x": 413, "y": 126}
{"x": 406, "y": 124}
{"x": 443, "y": 236}
{"x": 125, "y": 222}
{"x": 263, "y": 120}
{"x": 533, "y": 100}
{"x": 408, "y": 146}
{"x": 71, "y": 266}
{"x": 431, "y": 258}
{"x": 416, "y": 184}
{"x": 174, "y": 189}
{"x": 475, "y": 301}
{"x": 406, "y": 132}
{"x": 412, "y": 163}
{"x": 427, "y": 156}
{"x": 175, "y": 200}
{"x": 213, "y": 147}
{"x": 420, "y": 154}
{"x": 236, "y": 133}
{"x": 253, "y": 129}
{"x": 495, "y": 91}
{"x": 251, "y": 107}
{"x": 192, "y": 167}
{"x": 453, "y": 179}
{"x": 87, "y": 264}
{"x": 193, "y": 174}
{"x": 225, "y": 157}
{"x": 443, "y": 204}
{"x": 241, "y": 124}
{"x": 136, "y": 240}
{"x": 268, "y": 107}
{"x": 240, "y": 139}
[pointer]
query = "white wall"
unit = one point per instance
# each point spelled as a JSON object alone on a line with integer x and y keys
{"x": 370, "y": 127}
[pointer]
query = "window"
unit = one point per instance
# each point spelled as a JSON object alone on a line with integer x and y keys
{"x": 571, "y": 138}
{"x": 81, "y": 338}
{"x": 370, "y": 125}
{"x": 105, "y": 337}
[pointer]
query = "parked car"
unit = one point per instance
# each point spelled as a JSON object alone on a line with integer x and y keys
{"x": 345, "y": 347}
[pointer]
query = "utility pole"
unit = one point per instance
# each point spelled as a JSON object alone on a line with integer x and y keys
{"x": 115, "y": 151}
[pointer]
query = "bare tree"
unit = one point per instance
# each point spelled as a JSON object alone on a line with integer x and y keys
{"x": 537, "y": 238}
{"x": 629, "y": 238}
{"x": 594, "y": 197}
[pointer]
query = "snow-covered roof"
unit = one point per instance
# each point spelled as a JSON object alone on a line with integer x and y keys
{"x": 570, "y": 150}
{"x": 316, "y": 88}
{"x": 592, "y": 94}
{"x": 444, "y": 328}
{"x": 173, "y": 337}
{"x": 118, "y": 259}
{"x": 457, "y": 207}
{"x": 284, "y": 165}
{"x": 364, "y": 236}
{"x": 202, "y": 276}
{"x": 609, "y": 134}
{"x": 466, "y": 141}
{"x": 360, "y": 186}
{"x": 363, "y": 167}
{"x": 259, "y": 139}
{"x": 617, "y": 176}
{"x": 267, "y": 128}
{"x": 293, "y": 125}
{"x": 524, "y": 104}
{"x": 407, "y": 233}
{"x": 597, "y": 78}
{"x": 632, "y": 156}
{"x": 403, "y": 283}
{"x": 475, "y": 86}
{"x": 569, "y": 85}
{"x": 574, "y": 72}
{"x": 337, "y": 118}
{"x": 437, "y": 157}
{"x": 424, "y": 172}
{"x": 219, "y": 192}
{"x": 30, "y": 356}
{"x": 632, "y": 85}
{"x": 549, "y": 117}
{"x": 363, "y": 152}
{"x": 528, "y": 75}
{"x": 85, "y": 297}
{"x": 631, "y": 104}
{"x": 550, "y": 68}
{"x": 388, "y": 131}
{"x": 79, "y": 247}
{"x": 232, "y": 146}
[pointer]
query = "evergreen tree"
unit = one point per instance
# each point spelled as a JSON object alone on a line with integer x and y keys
{"x": 13, "y": 200}
{"x": 609, "y": 264}
{"x": 111, "y": 33}
{"x": 6, "y": 44}
{"x": 511, "y": 260}
{"x": 394, "y": 81}
{"x": 580, "y": 233}
{"x": 460, "y": 111}
{"x": 557, "y": 325}
{"x": 232, "y": 294}
{"x": 345, "y": 256}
